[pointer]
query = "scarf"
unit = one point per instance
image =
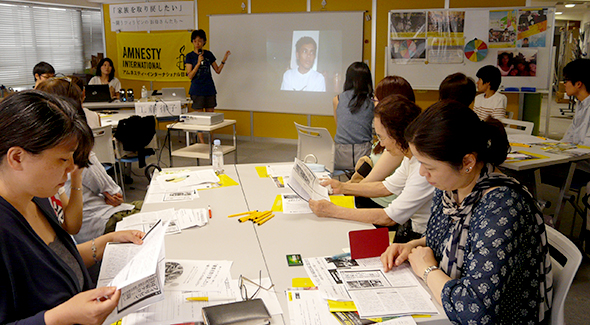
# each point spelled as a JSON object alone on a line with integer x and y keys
{"x": 454, "y": 251}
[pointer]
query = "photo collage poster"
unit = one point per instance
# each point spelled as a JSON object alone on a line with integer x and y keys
{"x": 427, "y": 36}
{"x": 517, "y": 33}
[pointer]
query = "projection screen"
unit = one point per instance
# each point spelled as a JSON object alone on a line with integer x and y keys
{"x": 269, "y": 71}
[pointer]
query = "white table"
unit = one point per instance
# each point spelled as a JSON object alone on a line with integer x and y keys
{"x": 201, "y": 150}
{"x": 254, "y": 248}
{"x": 114, "y": 105}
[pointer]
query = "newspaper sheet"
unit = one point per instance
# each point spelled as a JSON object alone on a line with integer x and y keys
{"x": 305, "y": 183}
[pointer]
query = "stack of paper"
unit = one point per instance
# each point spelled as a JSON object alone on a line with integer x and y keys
{"x": 176, "y": 219}
{"x": 180, "y": 185}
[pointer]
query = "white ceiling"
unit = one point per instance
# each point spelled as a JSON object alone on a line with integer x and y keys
{"x": 575, "y": 13}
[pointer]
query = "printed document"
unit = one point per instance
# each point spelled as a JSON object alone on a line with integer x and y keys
{"x": 178, "y": 219}
{"x": 305, "y": 183}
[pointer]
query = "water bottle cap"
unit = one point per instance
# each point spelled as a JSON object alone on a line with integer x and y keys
{"x": 217, "y": 142}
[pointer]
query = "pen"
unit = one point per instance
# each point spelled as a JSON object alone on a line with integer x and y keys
{"x": 215, "y": 298}
{"x": 209, "y": 208}
{"x": 542, "y": 138}
{"x": 241, "y": 214}
{"x": 265, "y": 220}
{"x": 262, "y": 216}
{"x": 340, "y": 256}
{"x": 515, "y": 144}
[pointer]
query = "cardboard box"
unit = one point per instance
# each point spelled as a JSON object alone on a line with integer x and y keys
{"x": 562, "y": 87}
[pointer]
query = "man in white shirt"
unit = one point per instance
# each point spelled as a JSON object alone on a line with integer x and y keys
{"x": 303, "y": 78}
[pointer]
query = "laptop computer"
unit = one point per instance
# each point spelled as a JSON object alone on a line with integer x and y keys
{"x": 97, "y": 93}
{"x": 171, "y": 94}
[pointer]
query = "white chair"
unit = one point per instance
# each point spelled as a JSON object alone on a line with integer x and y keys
{"x": 104, "y": 149}
{"x": 521, "y": 127}
{"x": 317, "y": 142}
{"x": 565, "y": 260}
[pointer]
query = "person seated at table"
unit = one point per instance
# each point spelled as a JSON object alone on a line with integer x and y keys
{"x": 459, "y": 87}
{"x": 484, "y": 255}
{"x": 384, "y": 162}
{"x": 414, "y": 194}
{"x": 353, "y": 113}
{"x": 105, "y": 75}
{"x": 42, "y": 71}
{"x": 102, "y": 203}
{"x": 43, "y": 276}
{"x": 490, "y": 102}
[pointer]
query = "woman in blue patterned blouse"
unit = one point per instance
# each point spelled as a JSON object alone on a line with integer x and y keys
{"x": 484, "y": 254}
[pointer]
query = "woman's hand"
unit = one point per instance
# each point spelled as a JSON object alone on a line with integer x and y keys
{"x": 114, "y": 200}
{"x": 396, "y": 254}
{"x": 127, "y": 236}
{"x": 334, "y": 184}
{"x": 421, "y": 258}
{"x": 227, "y": 54}
{"x": 88, "y": 307}
{"x": 321, "y": 208}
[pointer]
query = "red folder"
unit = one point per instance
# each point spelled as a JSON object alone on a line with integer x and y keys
{"x": 368, "y": 243}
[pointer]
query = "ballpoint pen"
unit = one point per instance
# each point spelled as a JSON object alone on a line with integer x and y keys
{"x": 212, "y": 298}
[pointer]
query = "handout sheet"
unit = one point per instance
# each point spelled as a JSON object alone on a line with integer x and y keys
{"x": 305, "y": 183}
{"x": 178, "y": 219}
{"x": 307, "y": 307}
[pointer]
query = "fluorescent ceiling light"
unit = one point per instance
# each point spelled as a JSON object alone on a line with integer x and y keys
{"x": 570, "y": 5}
{"x": 558, "y": 13}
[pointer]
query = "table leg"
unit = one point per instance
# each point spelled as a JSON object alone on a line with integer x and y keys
{"x": 170, "y": 147}
{"x": 564, "y": 188}
{"x": 235, "y": 146}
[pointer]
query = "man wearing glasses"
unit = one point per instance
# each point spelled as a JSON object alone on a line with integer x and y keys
{"x": 43, "y": 71}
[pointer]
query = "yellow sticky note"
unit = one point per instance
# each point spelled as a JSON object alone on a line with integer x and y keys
{"x": 277, "y": 206}
{"x": 302, "y": 283}
{"x": 261, "y": 170}
{"x": 343, "y": 201}
{"x": 225, "y": 180}
{"x": 336, "y": 306}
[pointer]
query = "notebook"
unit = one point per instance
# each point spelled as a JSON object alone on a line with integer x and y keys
{"x": 170, "y": 94}
{"x": 97, "y": 93}
{"x": 368, "y": 243}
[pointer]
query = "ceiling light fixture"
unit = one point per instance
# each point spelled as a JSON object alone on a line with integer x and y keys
{"x": 558, "y": 13}
{"x": 570, "y": 5}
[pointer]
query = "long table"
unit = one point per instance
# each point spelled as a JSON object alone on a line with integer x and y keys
{"x": 260, "y": 248}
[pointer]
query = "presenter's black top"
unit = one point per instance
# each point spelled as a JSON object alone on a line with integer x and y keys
{"x": 202, "y": 83}
{"x": 33, "y": 278}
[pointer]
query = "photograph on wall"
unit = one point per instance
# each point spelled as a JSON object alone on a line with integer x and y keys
{"x": 411, "y": 24}
{"x": 445, "y": 50}
{"x": 446, "y": 23}
{"x": 302, "y": 74}
{"x": 408, "y": 50}
{"x": 502, "y": 28}
{"x": 532, "y": 26}
{"x": 518, "y": 63}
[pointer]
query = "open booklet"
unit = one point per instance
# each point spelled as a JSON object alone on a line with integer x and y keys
{"x": 305, "y": 183}
{"x": 137, "y": 270}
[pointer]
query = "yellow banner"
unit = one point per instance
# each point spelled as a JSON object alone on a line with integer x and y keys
{"x": 153, "y": 56}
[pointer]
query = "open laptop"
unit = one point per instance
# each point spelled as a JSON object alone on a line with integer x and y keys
{"x": 97, "y": 93}
{"x": 171, "y": 94}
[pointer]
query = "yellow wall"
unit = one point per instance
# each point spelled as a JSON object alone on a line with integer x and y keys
{"x": 278, "y": 125}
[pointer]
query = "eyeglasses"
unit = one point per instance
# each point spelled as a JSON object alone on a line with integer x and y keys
{"x": 244, "y": 289}
{"x": 381, "y": 139}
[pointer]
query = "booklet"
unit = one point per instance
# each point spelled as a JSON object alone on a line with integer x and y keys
{"x": 137, "y": 270}
{"x": 305, "y": 183}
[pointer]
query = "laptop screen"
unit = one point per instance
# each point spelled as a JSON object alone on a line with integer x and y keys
{"x": 97, "y": 93}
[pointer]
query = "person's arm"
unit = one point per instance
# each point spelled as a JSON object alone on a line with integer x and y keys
{"x": 126, "y": 236}
{"x": 88, "y": 307}
{"x": 335, "y": 105}
{"x": 192, "y": 70}
{"x": 368, "y": 189}
{"x": 220, "y": 67}
{"x": 73, "y": 205}
{"x": 384, "y": 167}
{"x": 96, "y": 179}
{"x": 396, "y": 254}
{"x": 326, "y": 209}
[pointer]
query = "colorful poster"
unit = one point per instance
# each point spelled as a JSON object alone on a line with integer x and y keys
{"x": 153, "y": 56}
{"x": 442, "y": 50}
{"x": 408, "y": 50}
{"x": 446, "y": 23}
{"x": 411, "y": 24}
{"x": 518, "y": 63}
{"x": 502, "y": 29}
{"x": 532, "y": 27}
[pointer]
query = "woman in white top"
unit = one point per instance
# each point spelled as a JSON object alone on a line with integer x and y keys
{"x": 105, "y": 75}
{"x": 392, "y": 116}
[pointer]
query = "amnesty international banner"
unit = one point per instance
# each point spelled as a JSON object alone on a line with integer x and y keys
{"x": 153, "y": 56}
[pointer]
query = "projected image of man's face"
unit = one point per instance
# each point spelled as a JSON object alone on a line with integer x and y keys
{"x": 306, "y": 57}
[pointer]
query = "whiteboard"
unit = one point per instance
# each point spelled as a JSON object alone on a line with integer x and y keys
{"x": 424, "y": 75}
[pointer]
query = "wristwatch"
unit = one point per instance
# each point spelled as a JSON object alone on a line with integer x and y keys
{"x": 427, "y": 271}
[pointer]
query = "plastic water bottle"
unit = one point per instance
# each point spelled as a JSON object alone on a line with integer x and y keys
{"x": 217, "y": 157}
{"x": 144, "y": 93}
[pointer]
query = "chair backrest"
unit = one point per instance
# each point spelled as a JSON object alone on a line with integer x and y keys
{"x": 317, "y": 142}
{"x": 522, "y": 127}
{"x": 565, "y": 261}
{"x": 103, "y": 144}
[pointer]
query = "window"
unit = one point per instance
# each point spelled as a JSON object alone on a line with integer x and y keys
{"x": 64, "y": 37}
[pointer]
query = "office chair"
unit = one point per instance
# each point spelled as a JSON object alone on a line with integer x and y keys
{"x": 565, "y": 261}
{"x": 520, "y": 127}
{"x": 105, "y": 151}
{"x": 316, "y": 142}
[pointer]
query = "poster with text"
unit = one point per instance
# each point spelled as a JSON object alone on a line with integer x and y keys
{"x": 443, "y": 50}
{"x": 408, "y": 50}
{"x": 502, "y": 28}
{"x": 411, "y": 24}
{"x": 446, "y": 23}
{"x": 532, "y": 27}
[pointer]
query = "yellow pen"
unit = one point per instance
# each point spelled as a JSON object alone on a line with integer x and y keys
{"x": 246, "y": 218}
{"x": 216, "y": 298}
{"x": 514, "y": 144}
{"x": 265, "y": 220}
{"x": 262, "y": 216}
{"x": 241, "y": 214}
{"x": 542, "y": 138}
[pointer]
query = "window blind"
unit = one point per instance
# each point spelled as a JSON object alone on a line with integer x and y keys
{"x": 64, "y": 37}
